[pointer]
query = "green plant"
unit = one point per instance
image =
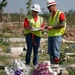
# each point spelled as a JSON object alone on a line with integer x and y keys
{"x": 71, "y": 71}
{"x": 4, "y": 41}
{"x": 4, "y": 59}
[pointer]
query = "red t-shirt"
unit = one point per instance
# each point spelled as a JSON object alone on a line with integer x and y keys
{"x": 26, "y": 22}
{"x": 61, "y": 18}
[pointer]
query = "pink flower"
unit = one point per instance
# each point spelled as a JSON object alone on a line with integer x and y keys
{"x": 42, "y": 69}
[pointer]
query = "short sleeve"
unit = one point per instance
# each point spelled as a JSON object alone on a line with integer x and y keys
{"x": 62, "y": 17}
{"x": 26, "y": 22}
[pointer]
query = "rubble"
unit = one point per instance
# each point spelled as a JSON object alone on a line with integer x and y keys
{"x": 18, "y": 67}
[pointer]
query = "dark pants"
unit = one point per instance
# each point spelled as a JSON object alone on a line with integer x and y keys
{"x": 31, "y": 46}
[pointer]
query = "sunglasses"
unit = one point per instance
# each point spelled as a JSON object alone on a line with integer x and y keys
{"x": 50, "y": 6}
{"x": 35, "y": 11}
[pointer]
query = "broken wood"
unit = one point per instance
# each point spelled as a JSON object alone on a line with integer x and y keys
{"x": 70, "y": 53}
{"x": 68, "y": 42}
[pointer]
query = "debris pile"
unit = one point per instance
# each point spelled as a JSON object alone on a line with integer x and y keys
{"x": 18, "y": 68}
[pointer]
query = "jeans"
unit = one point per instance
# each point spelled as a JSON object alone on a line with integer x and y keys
{"x": 31, "y": 46}
{"x": 54, "y": 47}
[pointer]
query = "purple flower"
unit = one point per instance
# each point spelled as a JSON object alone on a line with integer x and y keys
{"x": 18, "y": 72}
{"x": 42, "y": 69}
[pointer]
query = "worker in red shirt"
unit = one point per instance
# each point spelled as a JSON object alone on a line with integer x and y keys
{"x": 33, "y": 24}
{"x": 56, "y": 28}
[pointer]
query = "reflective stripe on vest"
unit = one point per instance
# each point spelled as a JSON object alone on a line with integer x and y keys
{"x": 36, "y": 24}
{"x": 55, "y": 21}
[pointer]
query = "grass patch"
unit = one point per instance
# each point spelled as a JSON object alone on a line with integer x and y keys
{"x": 43, "y": 57}
{"x": 4, "y": 59}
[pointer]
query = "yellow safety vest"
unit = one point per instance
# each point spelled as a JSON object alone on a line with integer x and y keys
{"x": 36, "y": 24}
{"x": 55, "y": 21}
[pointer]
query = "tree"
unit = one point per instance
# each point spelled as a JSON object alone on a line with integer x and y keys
{"x": 2, "y": 4}
{"x": 28, "y": 6}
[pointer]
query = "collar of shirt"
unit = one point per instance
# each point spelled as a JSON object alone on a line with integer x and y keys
{"x": 35, "y": 18}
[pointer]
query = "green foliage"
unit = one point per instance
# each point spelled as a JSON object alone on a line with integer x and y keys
{"x": 4, "y": 59}
{"x": 71, "y": 71}
{"x": 43, "y": 57}
{"x": 1, "y": 36}
{"x": 4, "y": 42}
{"x": 2, "y": 4}
{"x": 29, "y": 6}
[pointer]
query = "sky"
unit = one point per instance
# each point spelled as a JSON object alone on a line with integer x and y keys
{"x": 14, "y": 6}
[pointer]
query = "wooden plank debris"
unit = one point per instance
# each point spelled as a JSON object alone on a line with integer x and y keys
{"x": 68, "y": 42}
{"x": 70, "y": 53}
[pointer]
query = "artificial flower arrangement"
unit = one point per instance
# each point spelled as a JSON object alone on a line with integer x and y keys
{"x": 41, "y": 69}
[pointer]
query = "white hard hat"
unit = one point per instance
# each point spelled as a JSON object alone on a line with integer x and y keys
{"x": 36, "y": 8}
{"x": 51, "y": 2}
